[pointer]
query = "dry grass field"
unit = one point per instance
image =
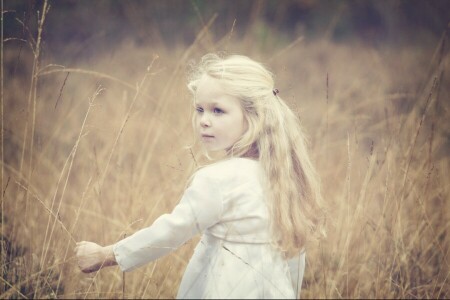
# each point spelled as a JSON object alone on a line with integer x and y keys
{"x": 97, "y": 148}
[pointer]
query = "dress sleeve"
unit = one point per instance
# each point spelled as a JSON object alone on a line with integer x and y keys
{"x": 200, "y": 207}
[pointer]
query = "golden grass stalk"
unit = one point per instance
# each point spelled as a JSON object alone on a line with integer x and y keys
{"x": 1, "y": 137}
{"x": 46, "y": 244}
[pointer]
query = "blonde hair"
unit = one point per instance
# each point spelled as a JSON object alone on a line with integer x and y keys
{"x": 275, "y": 137}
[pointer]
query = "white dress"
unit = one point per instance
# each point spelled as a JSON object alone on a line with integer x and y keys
{"x": 234, "y": 258}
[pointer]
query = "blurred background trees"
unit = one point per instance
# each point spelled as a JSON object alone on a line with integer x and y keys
{"x": 95, "y": 26}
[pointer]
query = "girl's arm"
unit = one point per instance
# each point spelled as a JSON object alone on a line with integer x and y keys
{"x": 92, "y": 257}
{"x": 199, "y": 208}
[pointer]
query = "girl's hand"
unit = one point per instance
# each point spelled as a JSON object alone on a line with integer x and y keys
{"x": 92, "y": 257}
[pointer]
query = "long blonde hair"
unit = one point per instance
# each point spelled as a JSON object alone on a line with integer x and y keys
{"x": 276, "y": 139}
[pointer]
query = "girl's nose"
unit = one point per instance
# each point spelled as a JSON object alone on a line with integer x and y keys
{"x": 205, "y": 121}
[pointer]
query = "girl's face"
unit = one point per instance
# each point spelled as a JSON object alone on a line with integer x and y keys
{"x": 219, "y": 117}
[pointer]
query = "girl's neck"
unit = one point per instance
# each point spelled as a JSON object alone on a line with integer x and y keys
{"x": 251, "y": 153}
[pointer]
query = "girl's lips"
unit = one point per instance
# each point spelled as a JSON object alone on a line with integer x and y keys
{"x": 206, "y": 137}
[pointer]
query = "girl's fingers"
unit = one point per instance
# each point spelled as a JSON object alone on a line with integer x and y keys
{"x": 77, "y": 248}
{"x": 78, "y": 245}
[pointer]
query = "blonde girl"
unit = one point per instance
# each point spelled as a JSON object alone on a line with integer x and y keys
{"x": 256, "y": 207}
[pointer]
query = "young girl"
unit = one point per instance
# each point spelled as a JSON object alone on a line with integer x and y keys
{"x": 255, "y": 208}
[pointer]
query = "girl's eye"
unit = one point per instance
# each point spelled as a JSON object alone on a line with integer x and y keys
{"x": 218, "y": 111}
{"x": 199, "y": 109}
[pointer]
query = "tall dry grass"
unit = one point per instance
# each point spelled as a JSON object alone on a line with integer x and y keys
{"x": 95, "y": 151}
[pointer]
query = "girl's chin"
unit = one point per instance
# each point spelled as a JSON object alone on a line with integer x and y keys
{"x": 211, "y": 145}
{"x": 213, "y": 148}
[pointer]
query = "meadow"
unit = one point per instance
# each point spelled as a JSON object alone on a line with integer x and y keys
{"x": 95, "y": 148}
